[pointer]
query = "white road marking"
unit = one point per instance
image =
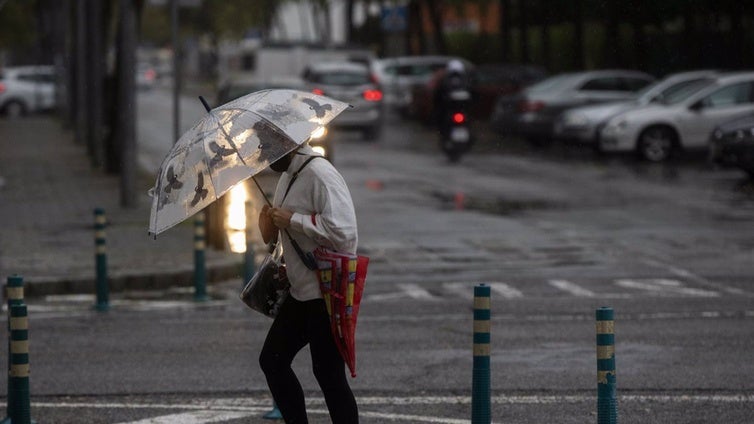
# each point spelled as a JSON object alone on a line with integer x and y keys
{"x": 194, "y": 417}
{"x": 505, "y": 290}
{"x": 696, "y": 278}
{"x": 664, "y": 287}
{"x": 403, "y": 291}
{"x": 571, "y": 288}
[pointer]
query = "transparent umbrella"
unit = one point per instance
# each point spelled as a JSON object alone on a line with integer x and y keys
{"x": 231, "y": 143}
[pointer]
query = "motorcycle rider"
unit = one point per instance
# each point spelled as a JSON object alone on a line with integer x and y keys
{"x": 452, "y": 94}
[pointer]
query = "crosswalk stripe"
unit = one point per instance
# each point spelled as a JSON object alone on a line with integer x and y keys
{"x": 664, "y": 287}
{"x": 571, "y": 288}
{"x": 505, "y": 290}
{"x": 196, "y": 417}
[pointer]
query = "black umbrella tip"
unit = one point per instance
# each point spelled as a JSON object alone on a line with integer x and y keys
{"x": 204, "y": 102}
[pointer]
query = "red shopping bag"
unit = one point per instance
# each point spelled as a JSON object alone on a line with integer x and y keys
{"x": 342, "y": 278}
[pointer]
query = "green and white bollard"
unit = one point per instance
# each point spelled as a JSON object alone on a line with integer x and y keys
{"x": 480, "y": 385}
{"x": 19, "y": 408}
{"x": 14, "y": 292}
{"x": 607, "y": 405}
{"x": 102, "y": 288}
{"x": 200, "y": 269}
{"x": 248, "y": 256}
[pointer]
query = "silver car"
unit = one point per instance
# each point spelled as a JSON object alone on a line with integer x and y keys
{"x": 682, "y": 121}
{"x": 354, "y": 84}
{"x": 26, "y": 89}
{"x": 532, "y": 113}
{"x": 581, "y": 124}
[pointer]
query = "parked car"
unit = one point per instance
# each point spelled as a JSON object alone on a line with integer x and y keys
{"x": 494, "y": 80}
{"x": 398, "y": 75}
{"x": 354, "y": 84}
{"x": 234, "y": 88}
{"x": 26, "y": 89}
{"x": 732, "y": 143}
{"x": 581, "y": 124}
{"x": 532, "y": 113}
{"x": 489, "y": 82}
{"x": 681, "y": 121}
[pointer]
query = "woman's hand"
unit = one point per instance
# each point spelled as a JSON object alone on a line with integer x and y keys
{"x": 280, "y": 217}
{"x": 266, "y": 227}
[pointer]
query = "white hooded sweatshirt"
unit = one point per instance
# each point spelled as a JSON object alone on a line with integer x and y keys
{"x": 323, "y": 215}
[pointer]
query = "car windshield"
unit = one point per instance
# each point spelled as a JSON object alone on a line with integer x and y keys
{"x": 341, "y": 78}
{"x": 660, "y": 90}
{"x": 553, "y": 84}
{"x": 683, "y": 93}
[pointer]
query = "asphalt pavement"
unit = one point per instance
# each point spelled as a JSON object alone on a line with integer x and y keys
{"x": 48, "y": 192}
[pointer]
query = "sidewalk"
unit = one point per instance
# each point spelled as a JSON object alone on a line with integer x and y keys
{"x": 47, "y": 202}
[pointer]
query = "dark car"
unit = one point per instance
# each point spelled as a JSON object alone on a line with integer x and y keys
{"x": 488, "y": 83}
{"x": 533, "y": 112}
{"x": 732, "y": 144}
{"x": 495, "y": 80}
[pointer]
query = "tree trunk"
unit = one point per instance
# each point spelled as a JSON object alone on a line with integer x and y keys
{"x": 505, "y": 30}
{"x": 349, "y": 21}
{"x": 546, "y": 56}
{"x": 435, "y": 16}
{"x": 578, "y": 23}
{"x": 611, "y": 51}
{"x": 125, "y": 123}
{"x": 524, "y": 30}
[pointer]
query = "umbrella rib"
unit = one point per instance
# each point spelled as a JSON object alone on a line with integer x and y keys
{"x": 230, "y": 141}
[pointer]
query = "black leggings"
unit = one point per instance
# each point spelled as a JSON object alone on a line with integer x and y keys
{"x": 297, "y": 324}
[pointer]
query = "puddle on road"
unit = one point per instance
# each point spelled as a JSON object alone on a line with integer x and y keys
{"x": 499, "y": 205}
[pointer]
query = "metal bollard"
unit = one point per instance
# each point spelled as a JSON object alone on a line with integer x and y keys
{"x": 200, "y": 270}
{"x": 248, "y": 256}
{"x": 19, "y": 408}
{"x": 607, "y": 411}
{"x": 103, "y": 291}
{"x": 480, "y": 385}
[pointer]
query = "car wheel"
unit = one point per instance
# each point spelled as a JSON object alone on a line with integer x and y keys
{"x": 656, "y": 144}
{"x": 14, "y": 109}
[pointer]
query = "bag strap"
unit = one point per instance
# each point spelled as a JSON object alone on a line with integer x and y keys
{"x": 306, "y": 257}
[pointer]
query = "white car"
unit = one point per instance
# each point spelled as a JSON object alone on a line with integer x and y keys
{"x": 683, "y": 120}
{"x": 582, "y": 124}
{"x": 26, "y": 89}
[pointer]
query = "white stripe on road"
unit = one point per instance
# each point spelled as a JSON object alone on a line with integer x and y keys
{"x": 403, "y": 291}
{"x": 505, "y": 290}
{"x": 571, "y": 288}
{"x": 194, "y": 417}
{"x": 696, "y": 278}
{"x": 664, "y": 287}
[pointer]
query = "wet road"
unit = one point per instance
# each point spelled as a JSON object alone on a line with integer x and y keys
{"x": 556, "y": 234}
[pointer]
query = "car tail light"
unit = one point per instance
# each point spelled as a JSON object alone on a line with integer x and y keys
{"x": 2, "y": 87}
{"x": 150, "y": 74}
{"x": 530, "y": 106}
{"x": 373, "y": 95}
{"x": 318, "y": 91}
{"x": 459, "y": 118}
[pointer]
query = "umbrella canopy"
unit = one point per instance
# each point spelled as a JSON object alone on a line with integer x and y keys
{"x": 231, "y": 143}
{"x": 341, "y": 281}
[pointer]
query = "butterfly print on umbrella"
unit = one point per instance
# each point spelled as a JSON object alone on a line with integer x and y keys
{"x": 200, "y": 193}
{"x": 319, "y": 110}
{"x": 173, "y": 182}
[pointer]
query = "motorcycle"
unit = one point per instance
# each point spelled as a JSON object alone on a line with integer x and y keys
{"x": 455, "y": 131}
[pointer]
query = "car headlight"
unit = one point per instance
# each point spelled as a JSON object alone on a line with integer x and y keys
{"x": 717, "y": 135}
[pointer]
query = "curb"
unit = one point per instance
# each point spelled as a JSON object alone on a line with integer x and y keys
{"x": 126, "y": 282}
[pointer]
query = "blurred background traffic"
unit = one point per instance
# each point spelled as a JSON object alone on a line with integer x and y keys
{"x": 655, "y": 79}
